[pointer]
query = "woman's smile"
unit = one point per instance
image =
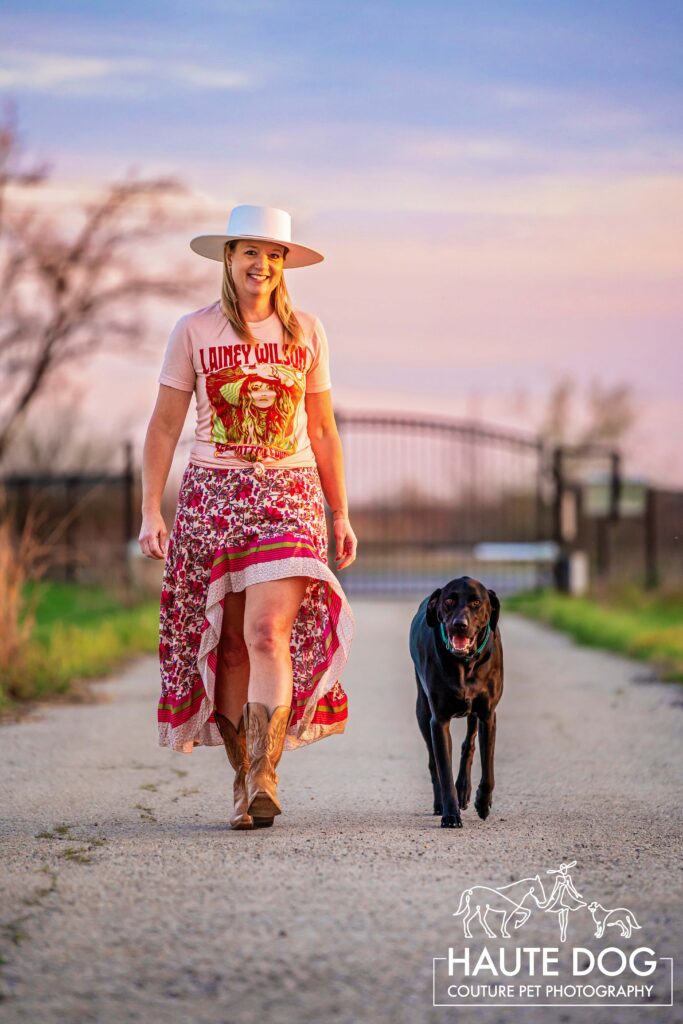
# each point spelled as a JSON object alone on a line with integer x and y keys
{"x": 257, "y": 267}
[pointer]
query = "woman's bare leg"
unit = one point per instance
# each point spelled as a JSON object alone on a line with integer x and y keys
{"x": 232, "y": 669}
{"x": 269, "y": 614}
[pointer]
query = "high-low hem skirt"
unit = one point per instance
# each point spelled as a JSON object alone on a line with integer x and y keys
{"x": 234, "y": 528}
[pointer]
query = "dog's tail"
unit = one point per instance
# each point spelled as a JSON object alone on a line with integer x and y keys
{"x": 464, "y": 902}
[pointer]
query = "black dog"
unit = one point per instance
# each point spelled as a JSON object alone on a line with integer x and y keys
{"x": 458, "y": 656}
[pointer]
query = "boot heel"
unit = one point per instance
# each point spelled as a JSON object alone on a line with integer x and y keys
{"x": 263, "y": 806}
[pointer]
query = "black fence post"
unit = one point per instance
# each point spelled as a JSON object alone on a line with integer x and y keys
{"x": 70, "y": 483}
{"x": 558, "y": 481}
{"x": 128, "y": 512}
{"x": 651, "y": 566}
{"x": 558, "y": 497}
{"x": 615, "y": 486}
{"x": 608, "y": 521}
{"x": 540, "y": 477}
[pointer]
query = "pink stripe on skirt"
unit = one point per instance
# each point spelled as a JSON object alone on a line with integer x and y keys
{"x": 232, "y": 529}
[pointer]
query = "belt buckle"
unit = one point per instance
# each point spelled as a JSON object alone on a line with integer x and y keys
{"x": 259, "y": 469}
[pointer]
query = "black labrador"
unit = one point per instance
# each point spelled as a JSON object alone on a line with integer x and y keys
{"x": 458, "y": 657}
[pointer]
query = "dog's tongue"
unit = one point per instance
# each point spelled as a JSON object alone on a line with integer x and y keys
{"x": 460, "y": 643}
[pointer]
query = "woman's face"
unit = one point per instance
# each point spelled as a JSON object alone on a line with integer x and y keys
{"x": 261, "y": 394}
{"x": 256, "y": 267}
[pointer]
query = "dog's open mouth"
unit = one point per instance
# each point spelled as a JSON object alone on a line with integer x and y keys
{"x": 461, "y": 644}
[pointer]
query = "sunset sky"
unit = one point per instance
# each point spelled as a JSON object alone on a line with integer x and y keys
{"x": 497, "y": 186}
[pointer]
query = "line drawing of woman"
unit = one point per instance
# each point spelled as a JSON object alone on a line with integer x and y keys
{"x": 257, "y": 408}
{"x": 563, "y": 898}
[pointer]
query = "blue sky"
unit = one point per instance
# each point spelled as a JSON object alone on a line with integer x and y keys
{"x": 512, "y": 172}
{"x": 548, "y": 81}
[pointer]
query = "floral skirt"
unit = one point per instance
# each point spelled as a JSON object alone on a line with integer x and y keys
{"x": 233, "y": 528}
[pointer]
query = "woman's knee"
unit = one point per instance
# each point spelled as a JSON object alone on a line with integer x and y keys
{"x": 268, "y": 634}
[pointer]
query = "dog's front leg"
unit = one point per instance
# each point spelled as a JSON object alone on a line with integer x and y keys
{"x": 463, "y": 785}
{"x": 487, "y": 743}
{"x": 441, "y": 744}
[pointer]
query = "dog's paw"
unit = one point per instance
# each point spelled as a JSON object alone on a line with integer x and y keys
{"x": 451, "y": 821}
{"x": 482, "y": 804}
{"x": 438, "y": 808}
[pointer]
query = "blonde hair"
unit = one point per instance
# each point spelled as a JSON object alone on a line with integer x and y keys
{"x": 294, "y": 334}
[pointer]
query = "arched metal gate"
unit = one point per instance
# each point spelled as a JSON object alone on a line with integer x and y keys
{"x": 433, "y": 498}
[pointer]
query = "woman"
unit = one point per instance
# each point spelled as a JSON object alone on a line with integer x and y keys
{"x": 254, "y": 626}
{"x": 563, "y": 898}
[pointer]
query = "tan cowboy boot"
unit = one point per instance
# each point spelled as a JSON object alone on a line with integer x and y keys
{"x": 236, "y": 748}
{"x": 265, "y": 743}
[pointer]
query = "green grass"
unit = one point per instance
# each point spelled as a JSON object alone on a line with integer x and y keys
{"x": 80, "y": 633}
{"x": 647, "y": 626}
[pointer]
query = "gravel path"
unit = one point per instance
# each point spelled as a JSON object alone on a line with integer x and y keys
{"x": 127, "y": 897}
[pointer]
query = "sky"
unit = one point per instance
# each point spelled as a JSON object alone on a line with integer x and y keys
{"x": 497, "y": 186}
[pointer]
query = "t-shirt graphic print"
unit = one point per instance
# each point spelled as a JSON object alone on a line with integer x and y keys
{"x": 250, "y": 398}
{"x": 254, "y": 409}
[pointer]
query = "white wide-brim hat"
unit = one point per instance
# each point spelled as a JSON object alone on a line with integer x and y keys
{"x": 264, "y": 224}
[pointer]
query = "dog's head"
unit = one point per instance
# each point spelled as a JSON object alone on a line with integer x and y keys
{"x": 464, "y": 606}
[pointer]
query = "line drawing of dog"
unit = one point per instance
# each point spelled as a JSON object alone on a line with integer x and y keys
{"x": 619, "y": 917}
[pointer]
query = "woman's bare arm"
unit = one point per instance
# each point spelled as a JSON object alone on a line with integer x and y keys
{"x": 327, "y": 449}
{"x": 165, "y": 427}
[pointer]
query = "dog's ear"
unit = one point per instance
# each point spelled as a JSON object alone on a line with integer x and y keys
{"x": 495, "y": 609}
{"x": 431, "y": 609}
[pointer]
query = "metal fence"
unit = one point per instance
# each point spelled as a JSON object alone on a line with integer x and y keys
{"x": 433, "y": 498}
{"x": 86, "y": 520}
{"x": 430, "y": 498}
{"x": 629, "y": 531}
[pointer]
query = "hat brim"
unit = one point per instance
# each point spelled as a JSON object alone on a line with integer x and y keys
{"x": 212, "y": 246}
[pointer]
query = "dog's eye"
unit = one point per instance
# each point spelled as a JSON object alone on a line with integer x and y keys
{"x": 475, "y": 603}
{"x": 448, "y": 602}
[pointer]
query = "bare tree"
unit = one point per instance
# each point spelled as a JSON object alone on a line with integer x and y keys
{"x": 11, "y": 171}
{"x": 64, "y": 295}
{"x": 556, "y": 423}
{"x": 610, "y": 414}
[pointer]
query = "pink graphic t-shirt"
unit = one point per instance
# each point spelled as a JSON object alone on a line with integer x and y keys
{"x": 250, "y": 398}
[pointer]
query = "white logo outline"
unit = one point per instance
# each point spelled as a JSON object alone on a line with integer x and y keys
{"x": 480, "y": 900}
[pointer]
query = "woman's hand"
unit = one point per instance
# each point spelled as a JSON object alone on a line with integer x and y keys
{"x": 346, "y": 542}
{"x": 153, "y": 534}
